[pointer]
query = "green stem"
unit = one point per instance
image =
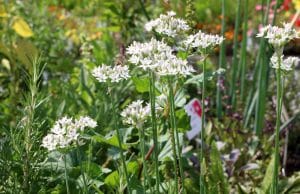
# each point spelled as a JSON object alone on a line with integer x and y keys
{"x": 66, "y": 174}
{"x": 244, "y": 50}
{"x": 116, "y": 126}
{"x": 142, "y": 145}
{"x": 235, "y": 55}
{"x": 173, "y": 120}
{"x": 221, "y": 63}
{"x": 261, "y": 76}
{"x": 202, "y": 133}
{"x": 172, "y": 136}
{"x": 278, "y": 117}
{"x": 81, "y": 170}
{"x": 154, "y": 127}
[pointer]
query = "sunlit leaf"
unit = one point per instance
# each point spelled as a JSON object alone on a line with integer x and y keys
{"x": 22, "y": 28}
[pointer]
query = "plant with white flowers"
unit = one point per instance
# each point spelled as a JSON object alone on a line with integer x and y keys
{"x": 106, "y": 73}
{"x": 136, "y": 114}
{"x": 66, "y": 131}
{"x": 168, "y": 25}
{"x": 202, "y": 41}
{"x": 278, "y": 38}
{"x": 284, "y": 65}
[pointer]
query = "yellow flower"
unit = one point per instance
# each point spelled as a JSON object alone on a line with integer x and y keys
{"x": 297, "y": 4}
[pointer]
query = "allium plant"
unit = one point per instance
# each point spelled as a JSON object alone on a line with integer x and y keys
{"x": 205, "y": 44}
{"x": 168, "y": 25}
{"x": 112, "y": 75}
{"x": 64, "y": 134}
{"x": 278, "y": 38}
{"x": 135, "y": 114}
{"x": 159, "y": 59}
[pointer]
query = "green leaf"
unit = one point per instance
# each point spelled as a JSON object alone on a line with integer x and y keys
{"x": 141, "y": 84}
{"x": 113, "y": 140}
{"x": 112, "y": 179}
{"x": 198, "y": 79}
{"x": 267, "y": 181}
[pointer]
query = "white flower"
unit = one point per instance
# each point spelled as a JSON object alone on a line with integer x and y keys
{"x": 174, "y": 66}
{"x": 157, "y": 56}
{"x": 285, "y": 64}
{"x": 136, "y": 114}
{"x": 65, "y": 131}
{"x": 203, "y": 41}
{"x": 106, "y": 73}
{"x": 49, "y": 142}
{"x": 85, "y": 121}
{"x": 167, "y": 25}
{"x": 277, "y": 36}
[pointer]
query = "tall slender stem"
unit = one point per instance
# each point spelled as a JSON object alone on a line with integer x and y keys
{"x": 278, "y": 117}
{"x": 221, "y": 63}
{"x": 81, "y": 170}
{"x": 173, "y": 120}
{"x": 154, "y": 127}
{"x": 116, "y": 126}
{"x": 66, "y": 174}
{"x": 202, "y": 183}
{"x": 142, "y": 145}
{"x": 173, "y": 142}
{"x": 244, "y": 50}
{"x": 235, "y": 55}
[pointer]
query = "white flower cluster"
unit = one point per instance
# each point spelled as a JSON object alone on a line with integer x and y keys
{"x": 203, "y": 41}
{"x": 285, "y": 64}
{"x": 277, "y": 36}
{"x": 167, "y": 25}
{"x": 106, "y": 73}
{"x": 157, "y": 56}
{"x": 136, "y": 114}
{"x": 65, "y": 131}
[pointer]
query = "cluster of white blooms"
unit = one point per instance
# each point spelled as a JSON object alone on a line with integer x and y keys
{"x": 65, "y": 131}
{"x": 174, "y": 66}
{"x": 203, "y": 41}
{"x": 136, "y": 114}
{"x": 277, "y": 36}
{"x": 285, "y": 64}
{"x": 167, "y": 25}
{"x": 106, "y": 73}
{"x": 157, "y": 56}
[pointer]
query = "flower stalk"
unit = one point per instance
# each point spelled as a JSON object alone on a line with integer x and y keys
{"x": 154, "y": 127}
{"x": 174, "y": 128}
{"x": 202, "y": 133}
{"x": 278, "y": 116}
{"x": 66, "y": 174}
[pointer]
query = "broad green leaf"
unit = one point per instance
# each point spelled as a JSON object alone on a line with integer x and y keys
{"x": 112, "y": 179}
{"x": 21, "y": 27}
{"x": 141, "y": 84}
{"x": 113, "y": 140}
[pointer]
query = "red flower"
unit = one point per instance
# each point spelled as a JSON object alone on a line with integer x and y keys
{"x": 287, "y": 4}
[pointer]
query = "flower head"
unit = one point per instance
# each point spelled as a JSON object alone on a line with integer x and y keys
{"x": 277, "y": 36}
{"x": 285, "y": 64}
{"x": 168, "y": 25}
{"x": 65, "y": 131}
{"x": 157, "y": 57}
{"x": 203, "y": 41}
{"x": 135, "y": 113}
{"x": 106, "y": 73}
